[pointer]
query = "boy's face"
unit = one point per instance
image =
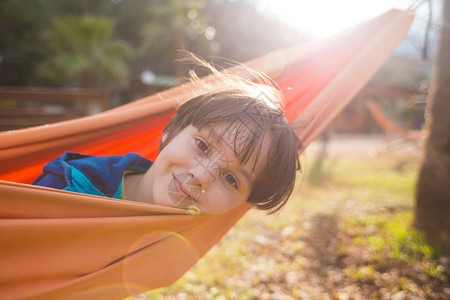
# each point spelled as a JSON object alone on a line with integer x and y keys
{"x": 199, "y": 167}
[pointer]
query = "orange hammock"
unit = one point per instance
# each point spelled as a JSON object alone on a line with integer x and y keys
{"x": 390, "y": 126}
{"x": 55, "y": 243}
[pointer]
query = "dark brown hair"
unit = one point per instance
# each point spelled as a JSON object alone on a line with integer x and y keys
{"x": 253, "y": 112}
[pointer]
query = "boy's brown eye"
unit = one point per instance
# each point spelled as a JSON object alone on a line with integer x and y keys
{"x": 202, "y": 146}
{"x": 230, "y": 179}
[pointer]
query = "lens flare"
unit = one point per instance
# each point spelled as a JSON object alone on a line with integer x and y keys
{"x": 142, "y": 256}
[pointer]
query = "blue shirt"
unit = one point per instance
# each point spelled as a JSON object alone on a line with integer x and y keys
{"x": 94, "y": 175}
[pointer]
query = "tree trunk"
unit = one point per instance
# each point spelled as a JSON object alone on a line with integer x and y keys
{"x": 432, "y": 211}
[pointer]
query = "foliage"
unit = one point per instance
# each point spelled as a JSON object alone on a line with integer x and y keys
{"x": 154, "y": 30}
{"x": 243, "y": 32}
{"x": 21, "y": 45}
{"x": 172, "y": 26}
{"x": 84, "y": 45}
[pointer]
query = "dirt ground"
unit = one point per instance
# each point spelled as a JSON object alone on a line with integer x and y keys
{"x": 371, "y": 146}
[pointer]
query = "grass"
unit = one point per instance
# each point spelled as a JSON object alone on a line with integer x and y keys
{"x": 345, "y": 234}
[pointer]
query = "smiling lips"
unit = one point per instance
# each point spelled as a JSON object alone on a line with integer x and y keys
{"x": 180, "y": 192}
{"x": 181, "y": 189}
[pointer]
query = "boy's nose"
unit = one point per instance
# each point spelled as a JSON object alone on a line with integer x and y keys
{"x": 204, "y": 172}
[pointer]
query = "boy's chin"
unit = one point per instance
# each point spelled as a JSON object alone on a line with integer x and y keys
{"x": 178, "y": 201}
{"x": 172, "y": 199}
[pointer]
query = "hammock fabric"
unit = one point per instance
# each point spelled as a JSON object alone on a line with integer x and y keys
{"x": 56, "y": 244}
{"x": 390, "y": 126}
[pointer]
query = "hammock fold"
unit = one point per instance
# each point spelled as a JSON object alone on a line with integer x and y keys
{"x": 56, "y": 244}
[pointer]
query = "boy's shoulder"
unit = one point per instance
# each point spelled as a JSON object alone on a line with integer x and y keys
{"x": 130, "y": 160}
{"x": 103, "y": 172}
{"x": 100, "y": 164}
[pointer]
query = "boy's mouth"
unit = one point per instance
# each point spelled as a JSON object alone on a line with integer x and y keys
{"x": 180, "y": 192}
{"x": 182, "y": 189}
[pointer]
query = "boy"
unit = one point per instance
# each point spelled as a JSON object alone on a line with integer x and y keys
{"x": 221, "y": 149}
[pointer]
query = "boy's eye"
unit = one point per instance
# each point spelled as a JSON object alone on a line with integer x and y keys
{"x": 230, "y": 179}
{"x": 202, "y": 146}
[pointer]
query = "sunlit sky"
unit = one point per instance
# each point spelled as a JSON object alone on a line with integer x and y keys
{"x": 322, "y": 18}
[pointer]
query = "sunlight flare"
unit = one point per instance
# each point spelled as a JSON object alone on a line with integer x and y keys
{"x": 323, "y": 18}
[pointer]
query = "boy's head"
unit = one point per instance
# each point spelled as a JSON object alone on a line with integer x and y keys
{"x": 238, "y": 129}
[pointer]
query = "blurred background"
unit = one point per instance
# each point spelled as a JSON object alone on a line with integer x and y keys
{"x": 65, "y": 59}
{"x": 347, "y": 232}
